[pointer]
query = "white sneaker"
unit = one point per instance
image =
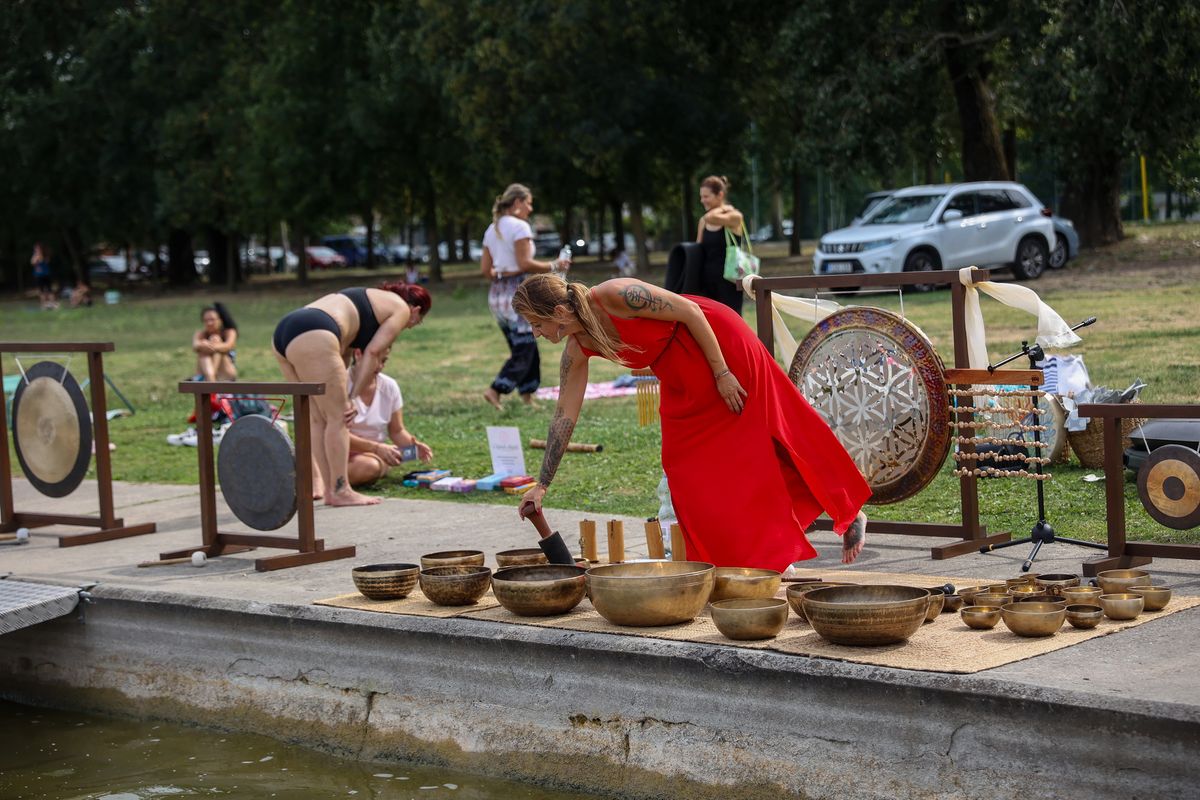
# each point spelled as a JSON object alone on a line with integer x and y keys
{"x": 185, "y": 439}
{"x": 219, "y": 433}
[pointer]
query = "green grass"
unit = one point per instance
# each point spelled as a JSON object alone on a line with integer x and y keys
{"x": 1144, "y": 291}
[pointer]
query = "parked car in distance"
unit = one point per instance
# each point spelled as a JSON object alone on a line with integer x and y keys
{"x": 546, "y": 243}
{"x": 117, "y": 267}
{"x": 765, "y": 233}
{"x": 354, "y": 249}
{"x": 926, "y": 228}
{"x": 321, "y": 257}
{"x": 474, "y": 250}
{"x": 201, "y": 260}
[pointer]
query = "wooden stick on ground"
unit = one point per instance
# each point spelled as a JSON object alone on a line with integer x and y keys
{"x": 572, "y": 447}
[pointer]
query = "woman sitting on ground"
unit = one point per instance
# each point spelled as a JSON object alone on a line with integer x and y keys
{"x": 215, "y": 345}
{"x": 378, "y": 437}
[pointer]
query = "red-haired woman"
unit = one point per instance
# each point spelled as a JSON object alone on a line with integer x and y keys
{"x": 314, "y": 344}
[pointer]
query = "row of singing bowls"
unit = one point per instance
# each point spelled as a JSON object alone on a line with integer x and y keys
{"x": 539, "y": 590}
{"x": 744, "y": 582}
{"x": 866, "y": 615}
{"x": 644, "y": 593}
{"x": 750, "y": 617}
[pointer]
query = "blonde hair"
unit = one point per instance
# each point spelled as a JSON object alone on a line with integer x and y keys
{"x": 537, "y": 296}
{"x": 505, "y": 201}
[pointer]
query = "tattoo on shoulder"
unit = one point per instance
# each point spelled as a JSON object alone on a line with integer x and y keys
{"x": 640, "y": 298}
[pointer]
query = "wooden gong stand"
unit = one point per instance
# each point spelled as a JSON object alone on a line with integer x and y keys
{"x": 311, "y": 550}
{"x": 1123, "y": 554}
{"x": 972, "y": 535}
{"x": 110, "y": 525}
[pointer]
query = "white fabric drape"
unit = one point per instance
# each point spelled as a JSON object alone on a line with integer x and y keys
{"x": 810, "y": 310}
{"x": 1052, "y": 330}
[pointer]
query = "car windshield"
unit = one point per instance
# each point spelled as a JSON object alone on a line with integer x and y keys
{"x": 910, "y": 208}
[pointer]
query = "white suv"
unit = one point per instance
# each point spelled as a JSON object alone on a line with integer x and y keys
{"x": 951, "y": 226}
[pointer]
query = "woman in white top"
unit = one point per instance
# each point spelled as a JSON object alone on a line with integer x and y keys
{"x": 378, "y": 437}
{"x": 507, "y": 259}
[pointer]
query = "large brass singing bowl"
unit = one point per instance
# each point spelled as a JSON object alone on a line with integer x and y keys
{"x": 540, "y": 590}
{"x": 1124, "y": 605}
{"x": 795, "y": 594}
{"x": 1034, "y": 619}
{"x": 643, "y": 593}
{"x": 730, "y": 583}
{"x": 1155, "y": 597}
{"x": 1055, "y": 583}
{"x": 454, "y": 585}
{"x": 1082, "y": 594}
{"x": 450, "y": 558}
{"x": 750, "y": 617}
{"x": 1116, "y": 581}
{"x": 866, "y": 615}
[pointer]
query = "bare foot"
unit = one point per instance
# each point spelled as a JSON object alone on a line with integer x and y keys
{"x": 854, "y": 539}
{"x": 529, "y": 400}
{"x": 493, "y": 397}
{"x": 318, "y": 486}
{"x": 349, "y": 497}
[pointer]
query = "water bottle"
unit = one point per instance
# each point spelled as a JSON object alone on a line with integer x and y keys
{"x": 564, "y": 259}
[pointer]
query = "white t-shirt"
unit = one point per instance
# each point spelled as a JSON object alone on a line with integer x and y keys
{"x": 501, "y": 238}
{"x": 371, "y": 422}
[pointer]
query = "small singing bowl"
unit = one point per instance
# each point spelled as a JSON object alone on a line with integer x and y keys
{"x": 455, "y": 585}
{"x": 1122, "y": 605}
{"x": 450, "y": 558}
{"x": 730, "y": 583}
{"x": 1082, "y": 594}
{"x": 1117, "y": 581}
{"x": 1033, "y": 619}
{"x": 996, "y": 599}
{"x": 795, "y": 595}
{"x": 936, "y": 601}
{"x": 954, "y": 602}
{"x": 1084, "y": 615}
{"x": 747, "y": 618}
{"x": 524, "y": 557}
{"x": 1054, "y": 583}
{"x": 968, "y": 594}
{"x": 1023, "y": 580}
{"x": 1155, "y": 597}
{"x": 998, "y": 588}
{"x": 980, "y": 618}
{"x": 1019, "y": 590}
{"x": 385, "y": 581}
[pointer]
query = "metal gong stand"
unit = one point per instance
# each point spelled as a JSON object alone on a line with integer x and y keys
{"x": 53, "y": 433}
{"x": 265, "y": 482}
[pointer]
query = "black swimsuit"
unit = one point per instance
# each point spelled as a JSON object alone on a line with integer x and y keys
{"x": 303, "y": 320}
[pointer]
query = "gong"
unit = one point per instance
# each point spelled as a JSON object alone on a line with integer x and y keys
{"x": 256, "y": 466}
{"x": 1169, "y": 486}
{"x": 52, "y": 429}
{"x": 879, "y": 384}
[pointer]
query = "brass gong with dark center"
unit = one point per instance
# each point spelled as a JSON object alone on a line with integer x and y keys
{"x": 1169, "y": 486}
{"x": 878, "y": 382}
{"x": 256, "y": 466}
{"x": 51, "y": 429}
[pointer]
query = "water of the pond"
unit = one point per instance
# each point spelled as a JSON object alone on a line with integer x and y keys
{"x": 56, "y": 755}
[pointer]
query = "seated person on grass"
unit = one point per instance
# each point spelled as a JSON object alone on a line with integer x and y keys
{"x": 215, "y": 343}
{"x": 377, "y": 433}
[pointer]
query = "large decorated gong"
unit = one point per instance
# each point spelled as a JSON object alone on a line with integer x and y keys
{"x": 256, "y": 466}
{"x": 1169, "y": 486}
{"x": 52, "y": 429}
{"x": 881, "y": 386}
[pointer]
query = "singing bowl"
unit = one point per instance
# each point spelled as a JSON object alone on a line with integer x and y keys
{"x": 385, "y": 581}
{"x": 954, "y": 602}
{"x": 1055, "y": 583}
{"x": 1037, "y": 597}
{"x": 936, "y": 601}
{"x": 524, "y": 557}
{"x": 539, "y": 590}
{"x": 968, "y": 594}
{"x": 1033, "y": 619}
{"x": 451, "y": 558}
{"x": 1122, "y": 605}
{"x": 643, "y": 593}
{"x": 996, "y": 599}
{"x": 1021, "y": 580}
{"x": 1084, "y": 615}
{"x": 736, "y": 582}
{"x": 795, "y": 594}
{"x": 1116, "y": 581}
{"x": 1020, "y": 590}
{"x": 1155, "y": 597}
{"x": 455, "y": 585}
{"x": 750, "y": 617}
{"x": 982, "y": 618}
{"x": 1082, "y": 594}
{"x": 866, "y": 615}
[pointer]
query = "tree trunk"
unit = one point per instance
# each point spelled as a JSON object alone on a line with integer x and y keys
{"x": 638, "y": 228}
{"x": 618, "y": 212}
{"x": 982, "y": 151}
{"x": 600, "y": 232}
{"x": 431, "y": 240}
{"x": 465, "y": 230}
{"x": 73, "y": 241}
{"x": 181, "y": 261}
{"x": 369, "y": 218}
{"x": 776, "y": 209}
{"x": 1010, "y": 151}
{"x": 798, "y": 208}
{"x": 688, "y": 217}
{"x": 301, "y": 256}
{"x": 233, "y": 274}
{"x": 218, "y": 257}
{"x": 1092, "y": 200}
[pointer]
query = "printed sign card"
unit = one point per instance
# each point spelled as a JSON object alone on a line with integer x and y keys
{"x": 505, "y": 445}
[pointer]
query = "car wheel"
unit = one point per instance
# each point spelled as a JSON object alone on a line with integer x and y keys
{"x": 1058, "y": 256}
{"x": 1032, "y": 256}
{"x": 921, "y": 261}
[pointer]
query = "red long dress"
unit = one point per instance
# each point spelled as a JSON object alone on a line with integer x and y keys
{"x": 744, "y": 487}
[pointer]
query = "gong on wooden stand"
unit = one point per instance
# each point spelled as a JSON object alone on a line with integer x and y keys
{"x": 265, "y": 481}
{"x": 53, "y": 433}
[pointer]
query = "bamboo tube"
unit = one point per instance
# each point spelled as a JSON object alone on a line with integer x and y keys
{"x": 572, "y": 447}
{"x": 654, "y": 540}
{"x": 616, "y": 541}
{"x": 678, "y": 546}
{"x": 163, "y": 562}
{"x": 587, "y": 540}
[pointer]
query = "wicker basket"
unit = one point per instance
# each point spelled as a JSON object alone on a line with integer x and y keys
{"x": 1088, "y": 444}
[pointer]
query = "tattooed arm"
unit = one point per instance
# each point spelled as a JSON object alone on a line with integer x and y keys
{"x": 572, "y": 383}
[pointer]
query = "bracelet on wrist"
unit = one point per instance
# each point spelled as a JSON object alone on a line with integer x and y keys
{"x": 720, "y": 375}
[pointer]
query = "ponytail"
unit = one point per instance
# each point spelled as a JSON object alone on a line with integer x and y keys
{"x": 505, "y": 201}
{"x": 538, "y": 295}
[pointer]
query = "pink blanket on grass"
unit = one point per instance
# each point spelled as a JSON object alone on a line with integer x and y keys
{"x": 594, "y": 391}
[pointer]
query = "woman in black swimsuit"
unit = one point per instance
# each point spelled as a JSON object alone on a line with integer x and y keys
{"x": 313, "y": 345}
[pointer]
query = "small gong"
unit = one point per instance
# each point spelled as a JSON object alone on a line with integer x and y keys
{"x": 1169, "y": 486}
{"x": 256, "y": 466}
{"x": 52, "y": 429}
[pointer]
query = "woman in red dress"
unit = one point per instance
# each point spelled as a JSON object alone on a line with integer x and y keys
{"x": 750, "y": 463}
